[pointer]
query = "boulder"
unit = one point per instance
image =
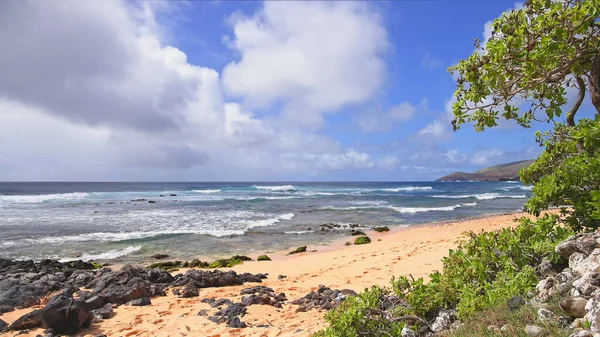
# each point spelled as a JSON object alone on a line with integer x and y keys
{"x": 263, "y": 258}
{"x": 574, "y": 306}
{"x": 190, "y": 290}
{"x": 301, "y": 249}
{"x": 128, "y": 284}
{"x": 546, "y": 315}
{"x": 581, "y": 243}
{"x": 158, "y": 275}
{"x": 534, "y": 330}
{"x": 94, "y": 302}
{"x": 324, "y": 298}
{"x": 236, "y": 322}
{"x": 214, "y": 278}
{"x": 140, "y": 302}
{"x": 28, "y": 321}
{"x": 443, "y": 320}
{"x": 546, "y": 268}
{"x": 361, "y": 240}
{"x": 3, "y": 325}
{"x": 6, "y": 308}
{"x": 64, "y": 315}
{"x": 228, "y": 315}
{"x": 581, "y": 263}
{"x": 593, "y": 314}
{"x": 105, "y": 312}
{"x": 159, "y": 256}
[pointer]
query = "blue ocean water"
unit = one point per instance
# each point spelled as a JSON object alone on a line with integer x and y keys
{"x": 128, "y": 222}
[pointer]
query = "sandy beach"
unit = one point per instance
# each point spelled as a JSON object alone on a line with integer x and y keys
{"x": 415, "y": 250}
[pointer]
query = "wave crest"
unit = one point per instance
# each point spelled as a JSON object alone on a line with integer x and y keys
{"x": 276, "y": 188}
{"x": 408, "y": 189}
{"x": 42, "y": 197}
{"x": 110, "y": 255}
{"x": 482, "y": 196}
{"x": 206, "y": 191}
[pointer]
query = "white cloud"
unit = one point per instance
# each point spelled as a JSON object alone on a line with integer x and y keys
{"x": 485, "y": 157}
{"x": 111, "y": 100}
{"x": 455, "y": 157}
{"x": 314, "y": 57}
{"x": 377, "y": 120}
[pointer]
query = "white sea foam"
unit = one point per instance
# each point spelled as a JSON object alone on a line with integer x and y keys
{"x": 110, "y": 255}
{"x": 409, "y": 210}
{"x": 206, "y": 191}
{"x": 278, "y": 188}
{"x": 526, "y": 188}
{"x": 235, "y": 223}
{"x": 298, "y": 232}
{"x": 42, "y": 197}
{"x": 408, "y": 189}
{"x": 483, "y": 196}
{"x": 370, "y": 202}
{"x": 269, "y": 221}
{"x": 412, "y": 210}
{"x": 316, "y": 193}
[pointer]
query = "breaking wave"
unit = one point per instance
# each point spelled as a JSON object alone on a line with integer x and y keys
{"x": 110, "y": 255}
{"x": 482, "y": 196}
{"x": 278, "y": 188}
{"x": 206, "y": 191}
{"x": 42, "y": 197}
{"x": 408, "y": 189}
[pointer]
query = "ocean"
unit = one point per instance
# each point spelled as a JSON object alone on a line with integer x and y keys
{"x": 129, "y": 222}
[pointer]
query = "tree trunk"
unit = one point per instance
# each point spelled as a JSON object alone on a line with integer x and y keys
{"x": 595, "y": 83}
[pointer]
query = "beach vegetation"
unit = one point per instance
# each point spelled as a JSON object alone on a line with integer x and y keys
{"x": 542, "y": 63}
{"x": 484, "y": 272}
{"x": 230, "y": 262}
{"x": 301, "y": 249}
{"x": 362, "y": 240}
{"x": 263, "y": 258}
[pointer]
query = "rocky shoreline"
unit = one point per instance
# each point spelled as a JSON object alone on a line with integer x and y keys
{"x": 74, "y": 296}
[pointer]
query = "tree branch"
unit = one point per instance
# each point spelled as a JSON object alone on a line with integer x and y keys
{"x": 580, "y": 97}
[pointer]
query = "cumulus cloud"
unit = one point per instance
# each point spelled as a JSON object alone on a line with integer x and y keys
{"x": 313, "y": 57}
{"x": 92, "y": 91}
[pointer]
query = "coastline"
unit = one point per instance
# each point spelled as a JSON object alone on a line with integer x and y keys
{"x": 415, "y": 250}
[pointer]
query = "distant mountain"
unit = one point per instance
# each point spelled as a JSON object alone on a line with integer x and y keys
{"x": 503, "y": 172}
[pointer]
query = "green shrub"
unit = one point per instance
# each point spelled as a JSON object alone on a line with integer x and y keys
{"x": 484, "y": 271}
{"x": 354, "y": 317}
{"x": 301, "y": 249}
{"x": 361, "y": 240}
{"x": 263, "y": 258}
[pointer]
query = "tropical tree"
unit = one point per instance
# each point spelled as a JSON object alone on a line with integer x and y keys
{"x": 539, "y": 64}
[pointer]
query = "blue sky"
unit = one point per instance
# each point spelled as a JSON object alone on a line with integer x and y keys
{"x": 227, "y": 90}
